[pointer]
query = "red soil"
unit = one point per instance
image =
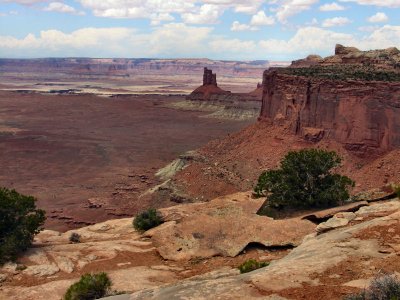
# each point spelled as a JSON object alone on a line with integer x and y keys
{"x": 67, "y": 149}
{"x": 234, "y": 163}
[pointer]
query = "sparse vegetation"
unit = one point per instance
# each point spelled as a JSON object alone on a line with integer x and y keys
{"x": 89, "y": 287}
{"x": 75, "y": 238}
{"x": 19, "y": 222}
{"x": 251, "y": 265}
{"x": 396, "y": 190}
{"x": 344, "y": 72}
{"x": 147, "y": 220}
{"x": 304, "y": 180}
{"x": 386, "y": 287}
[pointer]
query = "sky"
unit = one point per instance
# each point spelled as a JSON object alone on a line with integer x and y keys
{"x": 280, "y": 30}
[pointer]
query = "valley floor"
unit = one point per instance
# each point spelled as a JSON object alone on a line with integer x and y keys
{"x": 88, "y": 158}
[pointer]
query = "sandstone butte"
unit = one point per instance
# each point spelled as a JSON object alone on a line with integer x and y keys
{"x": 210, "y": 91}
{"x": 348, "y": 102}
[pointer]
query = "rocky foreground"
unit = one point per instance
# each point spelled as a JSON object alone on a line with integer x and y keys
{"x": 195, "y": 253}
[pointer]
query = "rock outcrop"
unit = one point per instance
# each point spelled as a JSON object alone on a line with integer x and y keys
{"x": 190, "y": 255}
{"x": 352, "y": 98}
{"x": 224, "y": 226}
{"x": 338, "y": 262}
{"x": 388, "y": 59}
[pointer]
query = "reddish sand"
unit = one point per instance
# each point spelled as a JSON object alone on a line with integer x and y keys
{"x": 234, "y": 162}
{"x": 67, "y": 149}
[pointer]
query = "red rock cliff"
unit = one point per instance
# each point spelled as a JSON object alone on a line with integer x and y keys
{"x": 361, "y": 114}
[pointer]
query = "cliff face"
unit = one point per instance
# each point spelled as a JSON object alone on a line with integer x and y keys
{"x": 362, "y": 115}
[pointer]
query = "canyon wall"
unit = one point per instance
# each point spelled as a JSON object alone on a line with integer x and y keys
{"x": 361, "y": 114}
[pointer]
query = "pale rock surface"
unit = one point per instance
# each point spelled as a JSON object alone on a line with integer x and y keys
{"x": 42, "y": 270}
{"x": 314, "y": 256}
{"x": 223, "y": 226}
{"x": 338, "y": 220}
{"x": 380, "y": 209}
{"x": 328, "y": 213}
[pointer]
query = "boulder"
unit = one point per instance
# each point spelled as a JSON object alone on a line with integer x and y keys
{"x": 342, "y": 50}
{"x": 42, "y": 270}
{"x": 339, "y": 220}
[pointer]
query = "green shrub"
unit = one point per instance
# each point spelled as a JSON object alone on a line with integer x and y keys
{"x": 251, "y": 265}
{"x": 147, "y": 220}
{"x": 386, "y": 287}
{"x": 19, "y": 222}
{"x": 305, "y": 181}
{"x": 89, "y": 287}
{"x": 75, "y": 238}
{"x": 396, "y": 190}
{"x": 343, "y": 72}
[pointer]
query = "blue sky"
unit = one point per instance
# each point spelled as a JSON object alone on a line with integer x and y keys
{"x": 216, "y": 29}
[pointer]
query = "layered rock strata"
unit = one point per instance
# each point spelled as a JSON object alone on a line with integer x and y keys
{"x": 354, "y": 102}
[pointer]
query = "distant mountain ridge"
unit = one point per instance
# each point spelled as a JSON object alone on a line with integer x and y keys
{"x": 134, "y": 66}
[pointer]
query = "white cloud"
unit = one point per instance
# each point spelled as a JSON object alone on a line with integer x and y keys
{"x": 337, "y": 21}
{"x": 247, "y": 7}
{"x": 383, "y": 37}
{"x": 62, "y": 8}
{"x": 313, "y": 22}
{"x": 207, "y": 14}
{"x": 260, "y": 19}
{"x": 385, "y": 3}
{"x": 331, "y": 7}
{"x": 169, "y": 40}
{"x": 307, "y": 40}
{"x": 181, "y": 40}
{"x": 191, "y": 11}
{"x": 237, "y": 26}
{"x": 368, "y": 28}
{"x": 137, "y": 8}
{"x": 379, "y": 17}
{"x": 25, "y": 2}
{"x": 172, "y": 40}
{"x": 314, "y": 40}
{"x": 288, "y": 8}
{"x": 233, "y": 46}
{"x": 156, "y": 19}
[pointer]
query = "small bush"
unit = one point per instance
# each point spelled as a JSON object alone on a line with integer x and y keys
{"x": 396, "y": 190}
{"x": 19, "y": 222}
{"x": 147, "y": 220}
{"x": 386, "y": 287}
{"x": 251, "y": 265}
{"x": 75, "y": 238}
{"x": 304, "y": 180}
{"x": 89, "y": 287}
